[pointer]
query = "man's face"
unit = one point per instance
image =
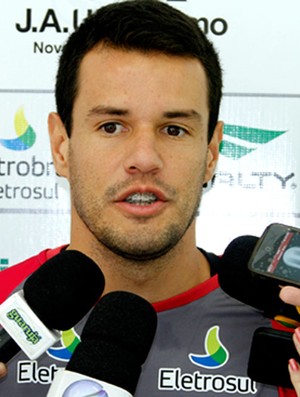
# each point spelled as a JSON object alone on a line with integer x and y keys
{"x": 138, "y": 152}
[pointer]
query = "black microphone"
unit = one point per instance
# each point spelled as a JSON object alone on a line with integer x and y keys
{"x": 239, "y": 282}
{"x": 115, "y": 342}
{"x": 55, "y": 297}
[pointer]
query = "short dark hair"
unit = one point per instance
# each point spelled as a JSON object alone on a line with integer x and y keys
{"x": 141, "y": 25}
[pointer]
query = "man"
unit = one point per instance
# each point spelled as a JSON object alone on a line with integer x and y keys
{"x": 137, "y": 134}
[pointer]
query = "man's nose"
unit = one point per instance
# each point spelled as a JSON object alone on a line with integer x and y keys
{"x": 143, "y": 153}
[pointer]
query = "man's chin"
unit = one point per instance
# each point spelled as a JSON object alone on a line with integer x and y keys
{"x": 139, "y": 254}
{"x": 141, "y": 246}
{"x": 143, "y": 256}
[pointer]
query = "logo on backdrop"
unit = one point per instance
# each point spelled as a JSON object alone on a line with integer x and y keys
{"x": 22, "y": 169}
{"x": 240, "y": 140}
{"x": 4, "y": 263}
{"x": 26, "y": 135}
{"x": 52, "y": 22}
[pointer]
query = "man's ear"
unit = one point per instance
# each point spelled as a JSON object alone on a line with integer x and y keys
{"x": 213, "y": 151}
{"x": 59, "y": 142}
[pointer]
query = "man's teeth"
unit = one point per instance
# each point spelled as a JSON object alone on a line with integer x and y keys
{"x": 141, "y": 198}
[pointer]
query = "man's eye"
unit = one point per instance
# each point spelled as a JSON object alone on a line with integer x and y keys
{"x": 111, "y": 128}
{"x": 174, "y": 130}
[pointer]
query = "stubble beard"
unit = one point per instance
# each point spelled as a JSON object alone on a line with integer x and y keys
{"x": 142, "y": 245}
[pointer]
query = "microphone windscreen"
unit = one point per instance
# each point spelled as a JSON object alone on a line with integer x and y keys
{"x": 238, "y": 281}
{"x": 64, "y": 289}
{"x": 116, "y": 340}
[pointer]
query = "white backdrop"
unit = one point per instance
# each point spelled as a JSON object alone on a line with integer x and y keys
{"x": 257, "y": 180}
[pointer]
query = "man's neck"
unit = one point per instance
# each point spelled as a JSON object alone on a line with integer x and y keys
{"x": 161, "y": 281}
{"x": 181, "y": 269}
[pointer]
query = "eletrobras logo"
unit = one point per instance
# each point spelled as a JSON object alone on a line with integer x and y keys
{"x": 216, "y": 356}
{"x": 68, "y": 343}
{"x": 216, "y": 353}
{"x": 24, "y": 178}
{"x": 26, "y": 135}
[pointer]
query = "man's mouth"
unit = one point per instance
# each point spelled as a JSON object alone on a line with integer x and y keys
{"x": 146, "y": 198}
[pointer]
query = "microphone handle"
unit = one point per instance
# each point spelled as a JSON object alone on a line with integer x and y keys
{"x": 24, "y": 326}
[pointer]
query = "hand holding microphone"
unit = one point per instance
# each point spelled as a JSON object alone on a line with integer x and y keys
{"x": 291, "y": 295}
{"x": 55, "y": 297}
{"x": 238, "y": 281}
{"x": 115, "y": 342}
{"x": 3, "y": 370}
{"x": 262, "y": 292}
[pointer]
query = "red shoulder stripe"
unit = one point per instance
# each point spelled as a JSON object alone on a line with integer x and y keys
{"x": 14, "y": 275}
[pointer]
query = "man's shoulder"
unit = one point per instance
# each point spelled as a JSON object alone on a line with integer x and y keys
{"x": 16, "y": 274}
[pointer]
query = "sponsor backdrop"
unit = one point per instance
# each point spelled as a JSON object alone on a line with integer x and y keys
{"x": 257, "y": 180}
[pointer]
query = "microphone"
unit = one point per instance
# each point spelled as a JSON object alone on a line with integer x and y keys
{"x": 239, "y": 282}
{"x": 55, "y": 297}
{"x": 115, "y": 342}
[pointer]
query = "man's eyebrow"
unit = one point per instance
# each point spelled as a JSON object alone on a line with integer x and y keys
{"x": 171, "y": 114}
{"x": 188, "y": 114}
{"x": 106, "y": 110}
